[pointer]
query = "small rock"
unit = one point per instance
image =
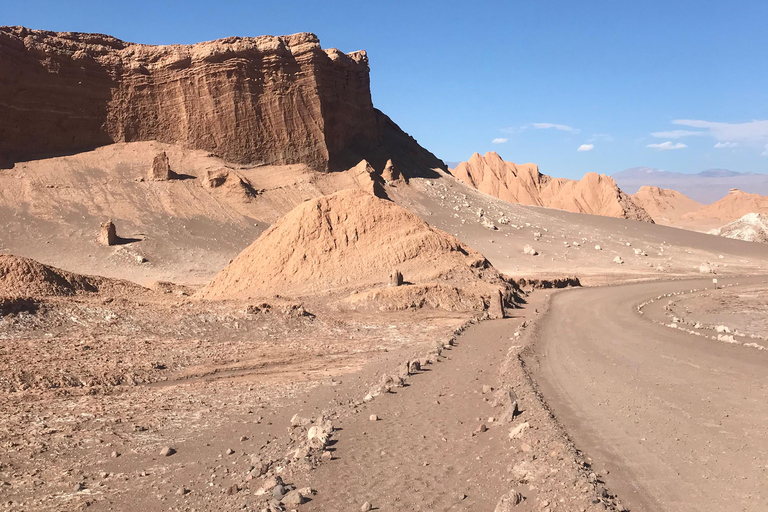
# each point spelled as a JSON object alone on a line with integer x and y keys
{"x": 481, "y": 428}
{"x": 293, "y": 498}
{"x": 181, "y": 491}
{"x": 278, "y": 491}
{"x": 366, "y": 507}
{"x": 79, "y": 486}
{"x": 373, "y": 417}
{"x": 114, "y": 455}
{"x": 233, "y": 489}
{"x": 167, "y": 451}
{"x": 518, "y": 430}
{"x": 487, "y": 389}
{"x": 509, "y": 500}
{"x": 229, "y": 451}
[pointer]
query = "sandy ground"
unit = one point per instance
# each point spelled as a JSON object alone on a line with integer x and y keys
{"x": 677, "y": 419}
{"x": 93, "y": 388}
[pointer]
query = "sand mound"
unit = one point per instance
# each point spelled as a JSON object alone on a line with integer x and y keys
{"x": 752, "y": 227}
{"x": 348, "y": 239}
{"x": 595, "y": 194}
{"x": 24, "y": 277}
{"x": 665, "y": 206}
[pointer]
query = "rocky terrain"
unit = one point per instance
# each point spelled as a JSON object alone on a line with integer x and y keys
{"x": 733, "y": 206}
{"x": 228, "y": 282}
{"x": 594, "y": 194}
{"x": 266, "y": 100}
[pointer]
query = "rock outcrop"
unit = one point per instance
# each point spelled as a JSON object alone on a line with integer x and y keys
{"x": 108, "y": 233}
{"x": 752, "y": 227}
{"x": 595, "y": 194}
{"x": 664, "y": 205}
{"x": 161, "y": 168}
{"x": 263, "y": 100}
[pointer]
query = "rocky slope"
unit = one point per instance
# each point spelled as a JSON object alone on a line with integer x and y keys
{"x": 594, "y": 194}
{"x": 752, "y": 227}
{"x": 665, "y": 206}
{"x": 264, "y": 100}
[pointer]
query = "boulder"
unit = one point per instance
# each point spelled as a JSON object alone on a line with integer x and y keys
{"x": 161, "y": 168}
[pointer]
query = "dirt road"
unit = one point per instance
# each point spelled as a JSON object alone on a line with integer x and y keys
{"x": 678, "y": 420}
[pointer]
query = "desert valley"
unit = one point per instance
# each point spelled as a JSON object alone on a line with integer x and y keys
{"x": 229, "y": 282}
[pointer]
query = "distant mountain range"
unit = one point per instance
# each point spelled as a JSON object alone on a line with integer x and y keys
{"x": 705, "y": 187}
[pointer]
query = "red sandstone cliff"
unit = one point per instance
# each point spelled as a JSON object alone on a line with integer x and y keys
{"x": 271, "y": 100}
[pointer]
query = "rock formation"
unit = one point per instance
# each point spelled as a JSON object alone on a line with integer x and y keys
{"x": 594, "y": 194}
{"x": 161, "y": 168}
{"x": 263, "y": 100}
{"x": 396, "y": 278}
{"x": 665, "y": 206}
{"x": 108, "y": 233}
{"x": 752, "y": 227}
{"x": 351, "y": 239}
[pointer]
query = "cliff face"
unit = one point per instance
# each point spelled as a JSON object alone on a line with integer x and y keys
{"x": 270, "y": 100}
{"x": 594, "y": 194}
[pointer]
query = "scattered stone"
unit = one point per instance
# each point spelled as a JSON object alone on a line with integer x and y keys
{"x": 373, "y": 417}
{"x": 706, "y": 268}
{"x": 108, "y": 233}
{"x": 232, "y": 490}
{"x": 167, "y": 451}
{"x": 366, "y": 507}
{"x": 487, "y": 389}
{"x": 298, "y": 421}
{"x": 508, "y": 501}
{"x": 618, "y": 260}
{"x": 294, "y": 497}
{"x": 229, "y": 451}
{"x": 414, "y": 366}
{"x": 278, "y": 491}
{"x": 114, "y": 455}
{"x": 598, "y": 248}
{"x": 181, "y": 491}
{"x": 481, "y": 428}
{"x": 79, "y": 486}
{"x": 530, "y": 250}
{"x": 518, "y": 430}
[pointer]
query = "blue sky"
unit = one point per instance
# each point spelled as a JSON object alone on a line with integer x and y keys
{"x": 677, "y": 85}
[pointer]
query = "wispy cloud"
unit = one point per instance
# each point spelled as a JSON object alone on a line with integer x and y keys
{"x": 677, "y": 134}
{"x": 754, "y": 131}
{"x": 667, "y": 146}
{"x": 561, "y": 127}
{"x": 499, "y": 140}
{"x": 726, "y": 145}
{"x": 586, "y": 147}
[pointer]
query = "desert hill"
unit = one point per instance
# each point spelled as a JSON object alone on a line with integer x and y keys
{"x": 594, "y": 194}
{"x": 257, "y": 101}
{"x": 733, "y": 206}
{"x": 665, "y": 206}
{"x": 350, "y": 240}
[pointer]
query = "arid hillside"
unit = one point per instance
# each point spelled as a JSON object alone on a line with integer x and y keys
{"x": 665, "y": 206}
{"x": 594, "y": 194}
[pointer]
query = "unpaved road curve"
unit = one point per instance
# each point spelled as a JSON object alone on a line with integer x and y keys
{"x": 680, "y": 421}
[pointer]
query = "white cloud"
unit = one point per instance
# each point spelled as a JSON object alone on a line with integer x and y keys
{"x": 586, "y": 147}
{"x": 499, "y": 140}
{"x": 667, "y": 146}
{"x": 725, "y": 145}
{"x": 754, "y": 131}
{"x": 562, "y": 127}
{"x": 676, "y": 134}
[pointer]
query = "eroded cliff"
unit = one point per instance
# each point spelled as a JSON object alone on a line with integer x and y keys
{"x": 263, "y": 100}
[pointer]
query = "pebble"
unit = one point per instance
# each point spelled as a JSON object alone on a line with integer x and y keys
{"x": 366, "y": 507}
{"x": 167, "y": 451}
{"x": 373, "y": 417}
{"x": 230, "y": 451}
{"x": 481, "y": 428}
{"x": 181, "y": 491}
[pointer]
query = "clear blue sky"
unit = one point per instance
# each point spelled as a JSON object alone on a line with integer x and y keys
{"x": 621, "y": 76}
